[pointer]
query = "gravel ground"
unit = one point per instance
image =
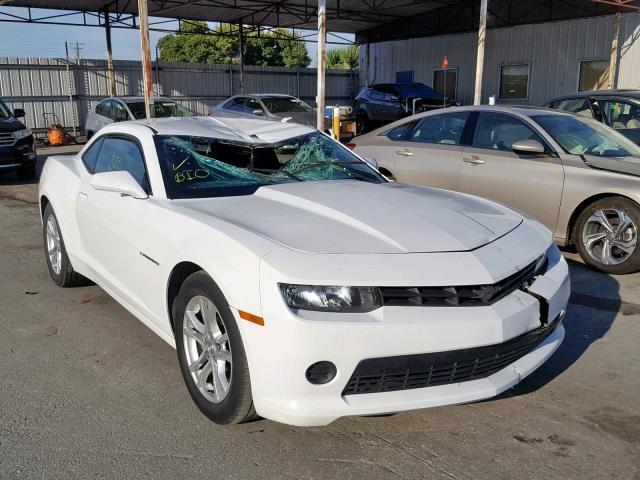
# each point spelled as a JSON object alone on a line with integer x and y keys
{"x": 87, "y": 391}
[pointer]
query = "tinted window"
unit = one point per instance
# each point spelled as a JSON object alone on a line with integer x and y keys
{"x": 498, "y": 132}
{"x": 253, "y": 105}
{"x": 161, "y": 109}
{"x": 621, "y": 115}
{"x": 400, "y": 132}
{"x": 285, "y": 104}
{"x": 579, "y": 106}
{"x": 235, "y": 104}
{"x": 90, "y": 157}
{"x": 584, "y": 136}
{"x": 444, "y": 129}
{"x": 120, "y": 114}
{"x": 120, "y": 154}
{"x": 105, "y": 108}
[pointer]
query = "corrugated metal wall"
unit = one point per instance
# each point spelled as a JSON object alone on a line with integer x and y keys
{"x": 45, "y": 84}
{"x": 553, "y": 51}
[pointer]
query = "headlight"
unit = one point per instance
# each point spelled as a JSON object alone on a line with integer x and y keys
{"x": 20, "y": 134}
{"x": 331, "y": 298}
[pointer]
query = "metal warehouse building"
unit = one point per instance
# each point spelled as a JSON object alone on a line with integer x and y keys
{"x": 523, "y": 64}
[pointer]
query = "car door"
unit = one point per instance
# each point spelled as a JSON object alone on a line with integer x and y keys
{"x": 623, "y": 116}
{"x": 491, "y": 169}
{"x": 113, "y": 227}
{"x": 431, "y": 153}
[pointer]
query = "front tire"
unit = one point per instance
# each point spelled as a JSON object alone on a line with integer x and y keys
{"x": 211, "y": 353}
{"x": 60, "y": 268}
{"x": 606, "y": 235}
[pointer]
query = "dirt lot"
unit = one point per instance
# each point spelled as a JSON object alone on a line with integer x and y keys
{"x": 87, "y": 391}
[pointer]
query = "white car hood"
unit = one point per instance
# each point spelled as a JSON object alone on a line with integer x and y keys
{"x": 352, "y": 217}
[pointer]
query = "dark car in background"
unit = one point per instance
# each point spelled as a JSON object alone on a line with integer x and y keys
{"x": 16, "y": 144}
{"x": 384, "y": 103}
{"x": 620, "y": 109}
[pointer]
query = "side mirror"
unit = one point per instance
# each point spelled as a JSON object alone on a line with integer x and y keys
{"x": 118, "y": 182}
{"x": 18, "y": 113}
{"x": 372, "y": 162}
{"x": 527, "y": 147}
{"x": 258, "y": 111}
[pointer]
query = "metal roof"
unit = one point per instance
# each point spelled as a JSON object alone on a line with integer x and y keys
{"x": 348, "y": 16}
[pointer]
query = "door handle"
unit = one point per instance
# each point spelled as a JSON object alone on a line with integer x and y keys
{"x": 84, "y": 196}
{"x": 473, "y": 159}
{"x": 404, "y": 152}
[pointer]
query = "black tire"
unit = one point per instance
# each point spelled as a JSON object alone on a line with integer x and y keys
{"x": 631, "y": 264}
{"x": 28, "y": 172}
{"x": 237, "y": 405}
{"x": 89, "y": 135}
{"x": 67, "y": 276}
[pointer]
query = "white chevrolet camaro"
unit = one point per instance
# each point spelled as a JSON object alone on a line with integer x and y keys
{"x": 295, "y": 281}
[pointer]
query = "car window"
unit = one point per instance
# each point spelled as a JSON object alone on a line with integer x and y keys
{"x": 498, "y": 131}
{"x": 90, "y": 156}
{"x": 583, "y": 136}
{"x": 285, "y": 104}
{"x": 621, "y": 115}
{"x": 161, "y": 109}
{"x": 376, "y": 94}
{"x": 579, "y": 106}
{"x": 400, "y": 132}
{"x": 120, "y": 154}
{"x": 105, "y": 109}
{"x": 120, "y": 114}
{"x": 444, "y": 129}
{"x": 252, "y": 105}
{"x": 235, "y": 104}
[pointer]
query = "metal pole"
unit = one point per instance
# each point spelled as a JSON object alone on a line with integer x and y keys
{"x": 613, "y": 62}
{"x": 322, "y": 63}
{"x": 107, "y": 31}
{"x": 241, "y": 45}
{"x": 147, "y": 72}
{"x": 482, "y": 33}
{"x": 444, "y": 97}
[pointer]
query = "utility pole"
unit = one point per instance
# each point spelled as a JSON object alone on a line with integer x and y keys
{"x": 147, "y": 72}
{"x": 110, "y": 73}
{"x": 482, "y": 39}
{"x": 322, "y": 63}
{"x": 77, "y": 47}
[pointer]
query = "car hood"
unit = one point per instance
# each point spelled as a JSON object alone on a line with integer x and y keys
{"x": 10, "y": 125}
{"x": 351, "y": 217}
{"x": 628, "y": 165}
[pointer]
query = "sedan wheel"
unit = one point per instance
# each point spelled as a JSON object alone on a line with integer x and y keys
{"x": 211, "y": 353}
{"x": 608, "y": 233}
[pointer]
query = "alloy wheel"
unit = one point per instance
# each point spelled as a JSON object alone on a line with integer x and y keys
{"x": 207, "y": 349}
{"x": 609, "y": 236}
{"x": 54, "y": 248}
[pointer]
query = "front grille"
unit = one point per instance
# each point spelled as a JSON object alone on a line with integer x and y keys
{"x": 407, "y": 372}
{"x": 7, "y": 139}
{"x": 460, "y": 296}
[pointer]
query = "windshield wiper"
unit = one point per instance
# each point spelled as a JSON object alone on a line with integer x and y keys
{"x": 275, "y": 170}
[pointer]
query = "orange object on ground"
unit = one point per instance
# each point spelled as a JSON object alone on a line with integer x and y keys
{"x": 57, "y": 136}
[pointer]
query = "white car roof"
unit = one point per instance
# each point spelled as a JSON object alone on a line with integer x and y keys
{"x": 238, "y": 129}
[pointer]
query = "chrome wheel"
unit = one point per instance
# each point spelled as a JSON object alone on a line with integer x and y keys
{"x": 54, "y": 247}
{"x": 207, "y": 349}
{"x": 609, "y": 236}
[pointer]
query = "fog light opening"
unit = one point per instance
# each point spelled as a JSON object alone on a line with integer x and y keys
{"x": 321, "y": 372}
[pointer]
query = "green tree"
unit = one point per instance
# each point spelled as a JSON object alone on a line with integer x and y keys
{"x": 347, "y": 58}
{"x": 192, "y": 44}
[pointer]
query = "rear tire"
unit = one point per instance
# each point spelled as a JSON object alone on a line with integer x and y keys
{"x": 60, "y": 268}
{"x": 211, "y": 353}
{"x": 606, "y": 235}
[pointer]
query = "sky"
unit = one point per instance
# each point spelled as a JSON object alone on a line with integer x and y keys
{"x": 31, "y": 40}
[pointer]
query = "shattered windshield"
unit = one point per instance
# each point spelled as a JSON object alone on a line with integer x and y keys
{"x": 199, "y": 167}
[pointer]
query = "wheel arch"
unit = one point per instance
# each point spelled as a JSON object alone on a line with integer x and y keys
{"x": 178, "y": 275}
{"x": 44, "y": 201}
{"x": 573, "y": 219}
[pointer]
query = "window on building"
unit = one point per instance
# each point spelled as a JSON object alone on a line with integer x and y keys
{"x": 594, "y": 75}
{"x": 448, "y": 77}
{"x": 514, "y": 82}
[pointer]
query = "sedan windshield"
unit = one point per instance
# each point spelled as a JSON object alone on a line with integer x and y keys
{"x": 285, "y": 104}
{"x": 581, "y": 136}
{"x": 160, "y": 110}
{"x": 198, "y": 167}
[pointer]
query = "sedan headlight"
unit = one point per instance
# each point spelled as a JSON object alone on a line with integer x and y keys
{"x": 20, "y": 134}
{"x": 331, "y": 298}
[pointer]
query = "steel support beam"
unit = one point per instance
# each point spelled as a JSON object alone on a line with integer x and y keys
{"x": 147, "y": 72}
{"x": 482, "y": 40}
{"x": 615, "y": 53}
{"x": 322, "y": 63}
{"x": 110, "y": 74}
